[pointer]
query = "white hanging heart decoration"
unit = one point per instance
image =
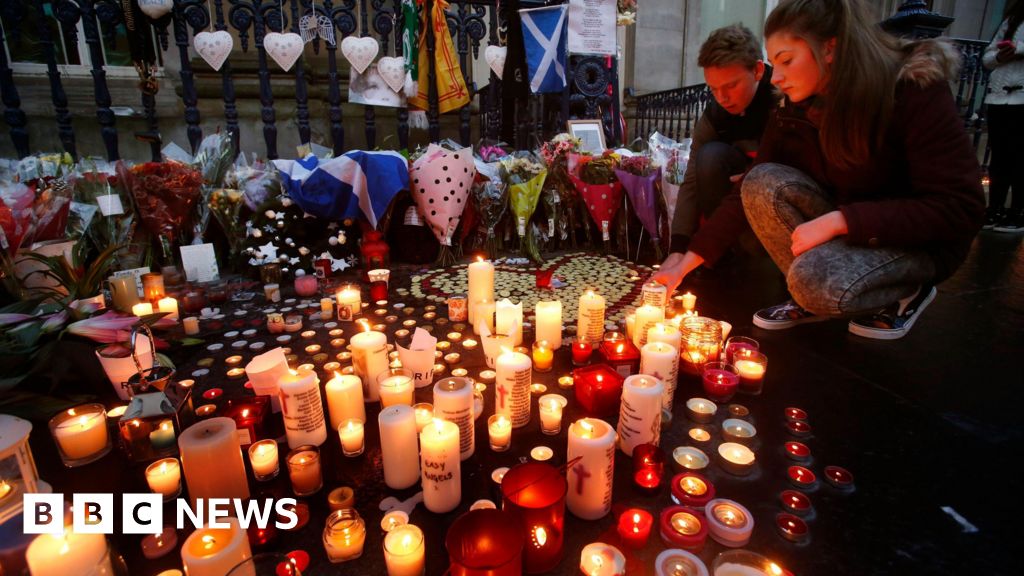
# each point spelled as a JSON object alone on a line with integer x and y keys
{"x": 156, "y": 8}
{"x": 392, "y": 71}
{"x": 359, "y": 52}
{"x": 285, "y": 48}
{"x": 214, "y": 47}
{"x": 495, "y": 57}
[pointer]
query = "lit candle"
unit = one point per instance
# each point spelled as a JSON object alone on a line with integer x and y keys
{"x": 512, "y": 387}
{"x": 700, "y": 410}
{"x": 737, "y": 459}
{"x": 424, "y": 415}
{"x": 263, "y": 457}
{"x": 646, "y": 317}
{"x": 340, "y": 498}
{"x": 640, "y": 412}
{"x": 212, "y": 444}
{"x": 453, "y": 401}
{"x": 68, "y": 553}
{"x": 720, "y": 381}
{"x": 543, "y": 356}
{"x": 304, "y": 470}
{"x": 163, "y": 437}
{"x": 661, "y": 360}
{"x": 344, "y": 398}
{"x": 801, "y": 477}
{"x": 164, "y": 477}
{"x": 440, "y": 466}
{"x": 169, "y": 305}
{"x": 648, "y": 467}
{"x": 81, "y": 434}
{"x": 508, "y": 319}
{"x": 351, "y": 432}
{"x": 398, "y": 448}
{"x": 665, "y": 332}
{"x": 740, "y": 431}
{"x": 635, "y": 527}
{"x": 542, "y": 453}
{"x": 654, "y": 294}
{"x": 689, "y": 302}
{"x": 581, "y": 352}
{"x": 469, "y": 344}
{"x": 190, "y": 325}
{"x": 590, "y": 320}
{"x": 839, "y": 477}
{"x": 600, "y": 559}
{"x": 404, "y": 552}
{"x": 499, "y": 430}
{"x": 349, "y": 303}
{"x": 394, "y": 519}
{"x": 302, "y": 408}
{"x": 326, "y": 308}
{"x": 344, "y": 536}
{"x": 484, "y": 314}
{"x": 142, "y": 309}
{"x": 676, "y": 562}
{"x": 683, "y": 527}
{"x": 493, "y": 346}
{"x": 159, "y": 545}
{"x": 729, "y": 523}
{"x": 751, "y": 368}
{"x": 481, "y": 285}
{"x": 369, "y": 359}
{"x": 689, "y": 458}
{"x": 551, "y": 406}
{"x": 692, "y": 489}
{"x": 592, "y": 442}
{"x": 795, "y": 502}
{"x": 395, "y": 386}
{"x": 548, "y": 322}
{"x": 215, "y": 551}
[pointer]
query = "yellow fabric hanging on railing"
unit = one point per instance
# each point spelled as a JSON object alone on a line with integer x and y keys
{"x": 452, "y": 92}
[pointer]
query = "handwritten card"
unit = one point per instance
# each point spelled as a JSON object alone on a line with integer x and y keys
{"x": 200, "y": 263}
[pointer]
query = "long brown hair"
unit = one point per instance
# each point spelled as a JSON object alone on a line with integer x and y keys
{"x": 861, "y": 78}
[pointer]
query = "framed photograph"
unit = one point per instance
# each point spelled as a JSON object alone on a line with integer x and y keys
{"x": 590, "y": 132}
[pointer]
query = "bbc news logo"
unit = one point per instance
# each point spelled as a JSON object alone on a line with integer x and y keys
{"x": 144, "y": 513}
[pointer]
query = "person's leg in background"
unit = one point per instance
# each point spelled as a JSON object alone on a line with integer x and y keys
{"x": 1011, "y": 135}
{"x": 1000, "y": 137}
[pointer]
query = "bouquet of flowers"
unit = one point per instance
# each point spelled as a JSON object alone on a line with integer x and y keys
{"x": 673, "y": 157}
{"x": 639, "y": 177}
{"x": 164, "y": 193}
{"x": 625, "y": 13}
{"x": 441, "y": 181}
{"x": 599, "y": 188}
{"x": 35, "y": 201}
{"x": 214, "y": 159}
{"x": 95, "y": 183}
{"x": 555, "y": 153}
{"x": 525, "y": 178}
{"x": 257, "y": 182}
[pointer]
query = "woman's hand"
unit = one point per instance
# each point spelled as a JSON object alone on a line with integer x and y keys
{"x": 1006, "y": 52}
{"x": 675, "y": 268}
{"x": 818, "y": 231}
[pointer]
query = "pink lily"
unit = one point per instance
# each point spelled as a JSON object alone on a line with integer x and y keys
{"x": 8, "y": 319}
{"x": 107, "y": 327}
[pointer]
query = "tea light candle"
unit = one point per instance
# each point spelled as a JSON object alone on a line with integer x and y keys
{"x": 676, "y": 562}
{"x": 470, "y": 344}
{"x": 683, "y": 527}
{"x": 565, "y": 382}
{"x": 215, "y": 551}
{"x": 340, "y": 498}
{"x": 543, "y": 356}
{"x": 206, "y": 410}
{"x": 551, "y": 406}
{"x": 424, "y": 414}
{"x": 190, "y": 325}
{"x": 635, "y": 527}
{"x": 394, "y": 519}
{"x": 163, "y": 437}
{"x": 351, "y": 432}
{"x": 499, "y": 430}
{"x": 700, "y": 410}
{"x": 168, "y": 305}
{"x": 263, "y": 457}
{"x": 736, "y": 459}
{"x": 537, "y": 388}
{"x": 233, "y": 360}
{"x": 459, "y": 372}
{"x": 689, "y": 301}
{"x": 142, "y": 309}
{"x": 164, "y": 477}
{"x": 798, "y": 428}
{"x": 738, "y": 411}
{"x": 839, "y": 477}
{"x": 343, "y": 356}
{"x": 487, "y": 375}
{"x": 408, "y": 323}
{"x": 791, "y": 528}
{"x": 795, "y": 502}
{"x": 454, "y": 336}
{"x": 404, "y": 552}
{"x": 729, "y": 523}
{"x": 307, "y": 334}
{"x": 802, "y": 477}
{"x": 600, "y": 559}
{"x": 159, "y": 545}
{"x": 692, "y": 490}
{"x": 689, "y": 458}
{"x": 795, "y": 414}
{"x": 699, "y": 435}
{"x": 740, "y": 431}
{"x": 116, "y": 412}
{"x": 304, "y": 470}
{"x": 452, "y": 358}
{"x": 541, "y": 453}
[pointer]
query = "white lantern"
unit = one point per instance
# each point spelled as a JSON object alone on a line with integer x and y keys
{"x": 17, "y": 468}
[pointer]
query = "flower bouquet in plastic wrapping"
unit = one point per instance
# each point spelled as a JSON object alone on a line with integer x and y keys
{"x": 640, "y": 179}
{"x": 111, "y": 220}
{"x": 164, "y": 193}
{"x": 441, "y": 181}
{"x": 35, "y": 201}
{"x": 214, "y": 160}
{"x": 599, "y": 188}
{"x": 673, "y": 157}
{"x": 555, "y": 153}
{"x": 524, "y": 174}
{"x": 490, "y": 197}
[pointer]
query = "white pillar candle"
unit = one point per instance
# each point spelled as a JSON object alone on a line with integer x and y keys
{"x": 508, "y": 319}
{"x": 351, "y": 433}
{"x": 484, "y": 316}
{"x": 665, "y": 332}
{"x": 646, "y": 317}
{"x": 404, "y": 552}
{"x": 453, "y": 401}
{"x": 493, "y": 345}
{"x": 215, "y": 551}
{"x": 169, "y": 305}
{"x": 82, "y": 432}
{"x": 481, "y": 285}
{"x": 661, "y": 360}
{"x": 142, "y": 309}
{"x": 440, "y": 466}
{"x": 590, "y": 479}
{"x": 302, "y": 408}
{"x": 630, "y": 325}
{"x": 264, "y": 371}
{"x": 349, "y": 303}
{"x": 212, "y": 445}
{"x": 640, "y": 411}
{"x": 344, "y": 399}
{"x": 395, "y": 389}
{"x": 654, "y": 294}
{"x": 369, "y": 359}
{"x": 326, "y": 309}
{"x": 512, "y": 387}
{"x": 398, "y": 448}
{"x": 164, "y": 477}
{"x": 264, "y": 459}
{"x": 548, "y": 322}
{"x": 590, "y": 318}
{"x": 68, "y": 553}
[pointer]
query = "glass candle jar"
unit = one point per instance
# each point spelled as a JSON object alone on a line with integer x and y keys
{"x": 81, "y": 434}
{"x": 344, "y": 535}
{"x": 304, "y": 470}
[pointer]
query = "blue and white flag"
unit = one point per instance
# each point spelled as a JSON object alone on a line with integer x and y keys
{"x": 544, "y": 36}
{"x": 343, "y": 187}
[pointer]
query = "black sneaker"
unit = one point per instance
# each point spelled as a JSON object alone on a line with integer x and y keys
{"x": 1012, "y": 222}
{"x": 894, "y": 321}
{"x": 993, "y": 216}
{"x": 785, "y": 315}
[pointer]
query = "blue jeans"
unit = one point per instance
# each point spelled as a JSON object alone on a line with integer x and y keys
{"x": 834, "y": 278}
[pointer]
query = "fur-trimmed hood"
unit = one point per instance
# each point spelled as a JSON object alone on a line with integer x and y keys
{"x": 929, "y": 61}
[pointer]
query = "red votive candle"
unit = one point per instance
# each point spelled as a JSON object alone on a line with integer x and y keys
{"x": 621, "y": 355}
{"x": 692, "y": 489}
{"x": 795, "y": 502}
{"x": 213, "y": 393}
{"x": 797, "y": 451}
{"x": 581, "y": 352}
{"x": 739, "y": 346}
{"x": 839, "y": 477}
{"x": 801, "y": 477}
{"x": 791, "y": 528}
{"x": 648, "y": 467}
{"x": 798, "y": 428}
{"x": 635, "y": 527}
{"x": 795, "y": 414}
{"x": 598, "y": 389}
{"x": 378, "y": 290}
{"x": 720, "y": 381}
{"x": 485, "y": 541}
{"x": 683, "y": 528}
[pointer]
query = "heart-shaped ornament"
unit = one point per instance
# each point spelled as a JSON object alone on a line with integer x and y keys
{"x": 285, "y": 48}
{"x": 214, "y": 47}
{"x": 156, "y": 8}
{"x": 495, "y": 57}
{"x": 359, "y": 52}
{"x": 392, "y": 70}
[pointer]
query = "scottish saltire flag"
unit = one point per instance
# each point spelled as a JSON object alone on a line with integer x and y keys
{"x": 544, "y": 35}
{"x": 343, "y": 187}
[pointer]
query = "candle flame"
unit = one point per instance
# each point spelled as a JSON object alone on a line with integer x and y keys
{"x": 775, "y": 569}
{"x": 590, "y": 293}
{"x": 503, "y": 420}
{"x": 163, "y": 468}
{"x": 588, "y": 428}
{"x": 506, "y": 350}
{"x": 479, "y": 258}
{"x": 406, "y": 541}
{"x": 351, "y": 426}
{"x": 71, "y": 412}
{"x": 540, "y": 535}
{"x": 619, "y": 348}
{"x": 438, "y": 425}
{"x": 83, "y": 420}
{"x": 208, "y": 541}
{"x": 364, "y": 324}
{"x": 64, "y": 548}
{"x": 245, "y": 413}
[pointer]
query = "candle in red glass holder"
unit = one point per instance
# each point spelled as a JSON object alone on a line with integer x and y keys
{"x": 259, "y": 537}
{"x": 635, "y": 527}
{"x": 683, "y": 528}
{"x": 648, "y": 467}
{"x": 379, "y": 279}
{"x": 581, "y": 352}
{"x": 795, "y": 414}
{"x": 598, "y": 389}
{"x": 797, "y": 451}
{"x": 739, "y": 346}
{"x": 249, "y": 415}
{"x": 692, "y": 489}
{"x": 375, "y": 252}
{"x": 534, "y": 493}
{"x": 798, "y": 428}
{"x": 485, "y": 542}
{"x": 839, "y": 477}
{"x": 795, "y": 502}
{"x": 720, "y": 381}
{"x": 791, "y": 528}
{"x": 621, "y": 355}
{"x": 801, "y": 477}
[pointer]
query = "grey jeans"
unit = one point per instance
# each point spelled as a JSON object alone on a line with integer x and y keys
{"x": 834, "y": 278}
